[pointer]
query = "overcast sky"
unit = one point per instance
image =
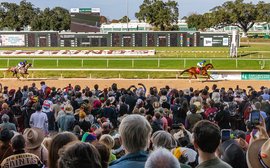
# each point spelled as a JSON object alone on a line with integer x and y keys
{"x": 115, "y": 9}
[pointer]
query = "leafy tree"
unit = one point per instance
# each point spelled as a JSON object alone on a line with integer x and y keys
{"x": 9, "y": 16}
{"x": 124, "y": 19}
{"x": 57, "y": 19}
{"x": 60, "y": 19}
{"x": 162, "y": 15}
{"x": 115, "y": 21}
{"x": 236, "y": 13}
{"x": 26, "y": 13}
{"x": 103, "y": 19}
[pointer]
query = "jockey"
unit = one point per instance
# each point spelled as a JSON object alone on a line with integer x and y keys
{"x": 22, "y": 64}
{"x": 200, "y": 65}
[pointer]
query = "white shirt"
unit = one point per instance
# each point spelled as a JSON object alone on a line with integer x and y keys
{"x": 39, "y": 120}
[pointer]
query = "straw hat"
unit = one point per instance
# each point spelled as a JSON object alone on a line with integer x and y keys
{"x": 162, "y": 99}
{"x": 68, "y": 109}
{"x": 258, "y": 154}
{"x": 33, "y": 137}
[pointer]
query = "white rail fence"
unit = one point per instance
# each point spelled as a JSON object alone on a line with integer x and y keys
{"x": 61, "y": 70}
{"x": 261, "y": 62}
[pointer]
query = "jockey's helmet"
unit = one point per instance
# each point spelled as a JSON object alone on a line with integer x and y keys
{"x": 204, "y": 60}
{"x": 24, "y": 61}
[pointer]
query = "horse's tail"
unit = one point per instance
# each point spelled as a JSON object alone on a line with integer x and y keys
{"x": 9, "y": 69}
{"x": 184, "y": 71}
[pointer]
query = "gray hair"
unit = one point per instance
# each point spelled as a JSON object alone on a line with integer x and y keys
{"x": 135, "y": 133}
{"x": 163, "y": 139}
{"x": 5, "y": 118}
{"x": 162, "y": 158}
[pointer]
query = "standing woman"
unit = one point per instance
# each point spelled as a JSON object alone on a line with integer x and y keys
{"x": 58, "y": 142}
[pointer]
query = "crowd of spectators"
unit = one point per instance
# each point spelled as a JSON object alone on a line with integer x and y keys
{"x": 135, "y": 127}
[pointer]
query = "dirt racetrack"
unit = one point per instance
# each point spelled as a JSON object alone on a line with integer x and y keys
{"x": 159, "y": 83}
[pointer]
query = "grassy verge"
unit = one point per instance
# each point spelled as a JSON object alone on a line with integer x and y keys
{"x": 142, "y": 63}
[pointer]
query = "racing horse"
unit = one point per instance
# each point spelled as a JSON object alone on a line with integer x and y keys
{"x": 22, "y": 71}
{"x": 194, "y": 71}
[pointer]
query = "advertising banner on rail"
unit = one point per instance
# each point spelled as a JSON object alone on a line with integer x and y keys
{"x": 98, "y": 53}
{"x": 255, "y": 76}
{"x": 226, "y": 76}
{"x": 12, "y": 40}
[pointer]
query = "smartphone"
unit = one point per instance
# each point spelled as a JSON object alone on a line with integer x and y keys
{"x": 225, "y": 134}
{"x": 255, "y": 118}
{"x": 176, "y": 126}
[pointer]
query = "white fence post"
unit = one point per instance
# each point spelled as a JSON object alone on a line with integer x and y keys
{"x": 107, "y": 63}
{"x": 57, "y": 62}
{"x": 185, "y": 63}
{"x": 82, "y": 62}
{"x": 8, "y": 62}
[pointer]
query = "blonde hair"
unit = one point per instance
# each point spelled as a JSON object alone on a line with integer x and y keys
{"x": 135, "y": 133}
{"x": 107, "y": 140}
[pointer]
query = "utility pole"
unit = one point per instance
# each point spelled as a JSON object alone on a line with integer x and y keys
{"x": 127, "y": 16}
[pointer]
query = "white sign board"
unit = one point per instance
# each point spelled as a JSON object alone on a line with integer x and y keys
{"x": 225, "y": 42}
{"x": 74, "y": 10}
{"x": 95, "y": 10}
{"x": 208, "y": 42}
{"x": 12, "y": 40}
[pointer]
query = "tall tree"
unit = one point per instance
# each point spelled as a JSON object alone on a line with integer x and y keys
{"x": 124, "y": 19}
{"x": 162, "y": 15}
{"x": 9, "y": 16}
{"x": 235, "y": 13}
{"x": 103, "y": 19}
{"x": 26, "y": 13}
{"x": 57, "y": 19}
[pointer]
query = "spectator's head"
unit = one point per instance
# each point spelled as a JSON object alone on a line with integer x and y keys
{"x": 206, "y": 136}
{"x": 4, "y": 106}
{"x": 79, "y": 154}
{"x": 193, "y": 108}
{"x": 58, "y": 141}
{"x": 233, "y": 154}
{"x": 258, "y": 105}
{"x": 42, "y": 83}
{"x": 33, "y": 137}
{"x": 18, "y": 142}
{"x": 5, "y": 118}
{"x": 162, "y": 158}
{"x": 37, "y": 106}
{"x": 163, "y": 139}
{"x": 132, "y": 136}
{"x": 107, "y": 140}
{"x": 68, "y": 109}
{"x": 6, "y": 135}
{"x": 104, "y": 153}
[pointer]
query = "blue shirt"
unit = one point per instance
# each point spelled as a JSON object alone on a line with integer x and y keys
{"x": 132, "y": 160}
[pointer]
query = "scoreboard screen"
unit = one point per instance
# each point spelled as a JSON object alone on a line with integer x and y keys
{"x": 115, "y": 40}
{"x": 151, "y": 40}
{"x": 85, "y": 19}
{"x": 127, "y": 39}
{"x": 173, "y": 39}
{"x": 138, "y": 40}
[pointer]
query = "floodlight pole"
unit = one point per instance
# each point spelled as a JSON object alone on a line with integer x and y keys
{"x": 127, "y": 16}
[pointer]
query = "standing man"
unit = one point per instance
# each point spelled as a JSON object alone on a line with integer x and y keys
{"x": 206, "y": 140}
{"x": 39, "y": 119}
